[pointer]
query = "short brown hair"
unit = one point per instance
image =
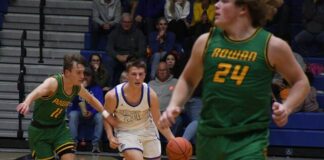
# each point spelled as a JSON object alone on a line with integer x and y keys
{"x": 261, "y": 11}
{"x": 134, "y": 62}
{"x": 69, "y": 59}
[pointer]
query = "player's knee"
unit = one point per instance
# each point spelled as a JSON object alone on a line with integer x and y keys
{"x": 65, "y": 149}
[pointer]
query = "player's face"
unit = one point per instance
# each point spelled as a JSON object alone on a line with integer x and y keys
{"x": 226, "y": 12}
{"x": 76, "y": 74}
{"x": 136, "y": 76}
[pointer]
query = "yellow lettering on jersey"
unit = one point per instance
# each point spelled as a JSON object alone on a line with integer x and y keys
{"x": 61, "y": 103}
{"x": 57, "y": 112}
{"x": 243, "y": 55}
{"x": 237, "y": 74}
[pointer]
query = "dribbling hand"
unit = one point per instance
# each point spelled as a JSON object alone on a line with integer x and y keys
{"x": 23, "y": 108}
{"x": 169, "y": 116}
{"x": 279, "y": 114}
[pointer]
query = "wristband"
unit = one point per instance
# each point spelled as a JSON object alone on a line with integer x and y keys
{"x": 105, "y": 114}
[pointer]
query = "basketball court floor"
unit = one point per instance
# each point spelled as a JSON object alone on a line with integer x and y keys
{"x": 23, "y": 154}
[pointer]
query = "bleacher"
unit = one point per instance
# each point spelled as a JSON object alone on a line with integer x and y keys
{"x": 65, "y": 25}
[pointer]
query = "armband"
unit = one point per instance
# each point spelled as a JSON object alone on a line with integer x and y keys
{"x": 105, "y": 114}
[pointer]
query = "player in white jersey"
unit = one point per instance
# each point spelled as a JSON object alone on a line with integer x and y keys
{"x": 136, "y": 107}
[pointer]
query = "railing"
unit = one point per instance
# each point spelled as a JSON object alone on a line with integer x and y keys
{"x": 41, "y": 29}
{"x": 21, "y": 81}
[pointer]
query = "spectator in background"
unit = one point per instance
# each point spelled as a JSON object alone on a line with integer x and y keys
{"x": 310, "y": 103}
{"x": 124, "y": 41}
{"x": 313, "y": 34}
{"x": 101, "y": 75}
{"x": 176, "y": 13}
{"x": 161, "y": 42}
{"x": 105, "y": 15}
{"x": 147, "y": 13}
{"x": 163, "y": 85}
{"x": 173, "y": 63}
{"x": 81, "y": 111}
{"x": 204, "y": 14}
{"x": 199, "y": 27}
{"x": 200, "y": 8}
{"x": 280, "y": 88}
{"x": 123, "y": 77}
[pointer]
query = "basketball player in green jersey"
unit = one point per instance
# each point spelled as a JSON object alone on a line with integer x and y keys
{"x": 48, "y": 132}
{"x": 236, "y": 62}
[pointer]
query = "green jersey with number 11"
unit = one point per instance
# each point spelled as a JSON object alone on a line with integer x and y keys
{"x": 51, "y": 110}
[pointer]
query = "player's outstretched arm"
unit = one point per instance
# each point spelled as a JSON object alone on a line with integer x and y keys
{"x": 283, "y": 61}
{"x": 187, "y": 82}
{"x": 110, "y": 106}
{"x": 155, "y": 111}
{"x": 45, "y": 89}
{"x": 94, "y": 102}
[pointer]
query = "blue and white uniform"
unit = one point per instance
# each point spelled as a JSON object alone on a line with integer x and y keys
{"x": 136, "y": 129}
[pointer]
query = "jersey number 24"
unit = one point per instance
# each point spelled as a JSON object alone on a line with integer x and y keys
{"x": 237, "y": 74}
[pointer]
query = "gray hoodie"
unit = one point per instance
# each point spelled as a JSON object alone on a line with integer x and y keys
{"x": 163, "y": 90}
{"x": 103, "y": 12}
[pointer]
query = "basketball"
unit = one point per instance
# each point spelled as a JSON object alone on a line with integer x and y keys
{"x": 179, "y": 149}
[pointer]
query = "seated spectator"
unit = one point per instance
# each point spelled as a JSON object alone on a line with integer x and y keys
{"x": 200, "y": 27}
{"x": 101, "y": 76}
{"x": 173, "y": 63}
{"x": 310, "y": 41}
{"x": 280, "y": 89}
{"x": 123, "y": 77}
{"x": 310, "y": 103}
{"x": 81, "y": 111}
{"x": 176, "y": 13}
{"x": 163, "y": 85}
{"x": 147, "y": 13}
{"x": 161, "y": 42}
{"x": 200, "y": 8}
{"x": 105, "y": 15}
{"x": 124, "y": 41}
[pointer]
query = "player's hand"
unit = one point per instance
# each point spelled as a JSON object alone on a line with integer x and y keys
{"x": 23, "y": 108}
{"x": 113, "y": 142}
{"x": 169, "y": 116}
{"x": 112, "y": 120}
{"x": 279, "y": 114}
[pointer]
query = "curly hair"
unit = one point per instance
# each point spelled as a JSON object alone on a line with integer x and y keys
{"x": 261, "y": 11}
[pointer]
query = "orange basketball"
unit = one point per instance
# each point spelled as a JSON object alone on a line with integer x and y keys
{"x": 179, "y": 149}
